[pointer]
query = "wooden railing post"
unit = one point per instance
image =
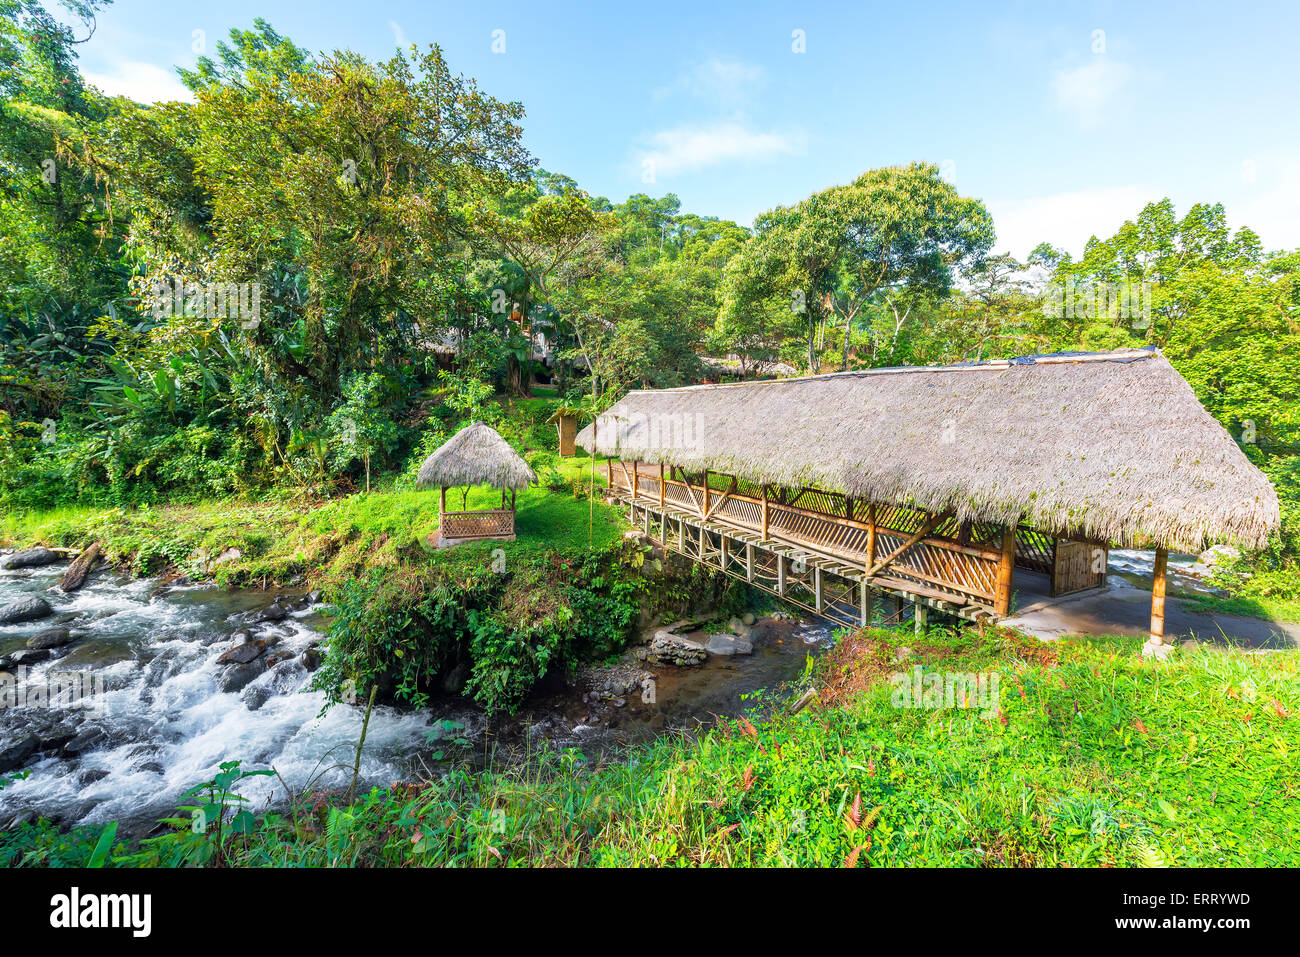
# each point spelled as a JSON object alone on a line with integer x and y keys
{"x": 706, "y": 494}
{"x": 765, "y": 513}
{"x": 780, "y": 574}
{"x": 662, "y": 485}
{"x": 1158, "y": 596}
{"x": 635, "y": 481}
{"x": 1002, "y": 592}
{"x": 609, "y": 473}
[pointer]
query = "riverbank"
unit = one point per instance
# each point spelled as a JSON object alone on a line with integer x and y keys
{"x": 1087, "y": 755}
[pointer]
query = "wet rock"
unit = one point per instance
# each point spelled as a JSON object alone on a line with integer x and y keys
{"x": 153, "y": 767}
{"x": 311, "y": 658}
{"x": 256, "y": 695}
{"x": 81, "y": 568}
{"x": 237, "y": 677}
{"x": 89, "y": 777}
{"x": 50, "y": 638}
{"x": 26, "y": 656}
{"x": 727, "y": 645}
{"x": 25, "y": 609}
{"x": 15, "y": 752}
{"x": 747, "y": 619}
{"x": 278, "y": 658}
{"x": 314, "y": 597}
{"x": 273, "y": 612}
{"x": 55, "y": 739}
{"x": 30, "y": 558}
{"x": 88, "y": 740}
{"x": 244, "y": 653}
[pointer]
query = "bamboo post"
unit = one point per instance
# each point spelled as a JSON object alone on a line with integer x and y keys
{"x": 662, "y": 485}
{"x": 1158, "y": 596}
{"x": 706, "y": 493}
{"x": 765, "y": 513}
{"x": 635, "y": 481}
{"x": 609, "y": 472}
{"x": 1002, "y": 592}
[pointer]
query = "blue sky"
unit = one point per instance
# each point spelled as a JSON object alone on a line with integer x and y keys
{"x": 1065, "y": 118}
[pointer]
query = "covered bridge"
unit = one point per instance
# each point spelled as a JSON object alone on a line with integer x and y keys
{"x": 934, "y": 484}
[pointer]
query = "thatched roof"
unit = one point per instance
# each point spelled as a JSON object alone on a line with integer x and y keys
{"x": 1104, "y": 446}
{"x": 476, "y": 455}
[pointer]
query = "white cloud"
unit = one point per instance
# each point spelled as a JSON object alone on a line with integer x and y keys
{"x": 1092, "y": 92}
{"x": 399, "y": 35}
{"x": 1066, "y": 220}
{"x": 722, "y": 82}
{"x": 140, "y": 81}
{"x": 685, "y": 149}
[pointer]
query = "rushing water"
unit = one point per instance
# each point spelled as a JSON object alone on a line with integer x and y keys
{"x": 156, "y": 722}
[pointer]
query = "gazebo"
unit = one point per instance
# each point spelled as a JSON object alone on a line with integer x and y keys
{"x": 476, "y": 455}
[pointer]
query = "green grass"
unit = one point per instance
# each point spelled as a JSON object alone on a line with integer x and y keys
{"x": 327, "y": 542}
{"x": 1274, "y": 609}
{"x": 1094, "y": 756}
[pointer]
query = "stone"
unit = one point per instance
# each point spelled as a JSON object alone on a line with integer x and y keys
{"x": 81, "y": 568}
{"x": 667, "y": 647}
{"x": 50, "y": 638}
{"x": 255, "y": 696}
{"x": 90, "y": 776}
{"x": 726, "y": 645}
{"x": 747, "y": 619}
{"x": 15, "y": 752}
{"x": 243, "y": 654}
{"x": 738, "y": 627}
{"x": 25, "y": 656}
{"x": 30, "y": 558}
{"x": 25, "y": 609}
{"x": 237, "y": 677}
{"x": 274, "y": 612}
{"x": 313, "y": 597}
{"x": 86, "y": 741}
{"x": 456, "y": 677}
{"x": 311, "y": 658}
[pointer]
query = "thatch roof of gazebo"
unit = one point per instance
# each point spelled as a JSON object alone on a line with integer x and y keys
{"x": 476, "y": 455}
{"x": 1106, "y": 446}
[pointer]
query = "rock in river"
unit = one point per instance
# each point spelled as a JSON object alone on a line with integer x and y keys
{"x": 30, "y": 558}
{"x": 243, "y": 654}
{"x": 24, "y": 656}
{"x": 50, "y": 638}
{"x": 84, "y": 564}
{"x": 25, "y": 609}
{"x": 15, "y": 752}
{"x": 724, "y": 644}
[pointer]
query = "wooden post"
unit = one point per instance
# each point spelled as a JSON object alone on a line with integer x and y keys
{"x": 609, "y": 473}
{"x": 1158, "y": 596}
{"x": 871, "y": 534}
{"x": 817, "y": 587}
{"x": 635, "y": 483}
{"x": 706, "y": 493}
{"x": 722, "y": 539}
{"x": 1002, "y": 592}
{"x": 920, "y": 616}
{"x": 780, "y": 574}
{"x": 749, "y": 563}
{"x": 662, "y": 484}
{"x": 765, "y": 513}
{"x": 865, "y": 601}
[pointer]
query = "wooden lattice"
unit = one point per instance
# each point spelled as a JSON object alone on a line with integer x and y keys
{"x": 492, "y": 523}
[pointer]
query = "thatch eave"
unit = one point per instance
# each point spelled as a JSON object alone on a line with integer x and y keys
{"x": 476, "y": 455}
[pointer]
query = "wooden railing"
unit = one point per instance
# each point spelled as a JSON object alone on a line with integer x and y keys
{"x": 488, "y": 523}
{"x": 952, "y": 561}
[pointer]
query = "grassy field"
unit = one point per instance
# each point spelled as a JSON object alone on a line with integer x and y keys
{"x": 1089, "y": 755}
{"x": 282, "y": 539}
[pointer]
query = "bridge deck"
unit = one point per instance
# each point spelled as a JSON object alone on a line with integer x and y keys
{"x": 793, "y": 544}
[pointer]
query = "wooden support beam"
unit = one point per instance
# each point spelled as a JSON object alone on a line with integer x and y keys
{"x": 1006, "y": 566}
{"x": 691, "y": 492}
{"x": 930, "y": 525}
{"x": 725, "y": 495}
{"x": 1158, "y": 596}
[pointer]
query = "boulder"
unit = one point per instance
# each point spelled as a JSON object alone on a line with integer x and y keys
{"x": 86, "y": 741}
{"x": 726, "y": 645}
{"x": 25, "y": 609}
{"x": 25, "y": 656}
{"x": 237, "y": 677}
{"x": 747, "y": 619}
{"x": 15, "y": 752}
{"x": 274, "y": 612}
{"x": 29, "y": 558}
{"x": 738, "y": 627}
{"x": 50, "y": 638}
{"x": 668, "y": 648}
{"x": 311, "y": 658}
{"x": 244, "y": 653}
{"x": 81, "y": 568}
{"x": 1218, "y": 553}
{"x": 229, "y": 555}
